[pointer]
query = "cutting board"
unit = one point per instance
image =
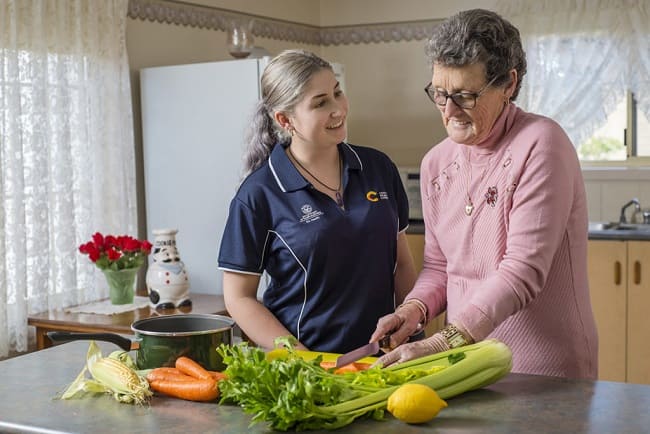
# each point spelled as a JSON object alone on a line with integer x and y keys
{"x": 310, "y": 355}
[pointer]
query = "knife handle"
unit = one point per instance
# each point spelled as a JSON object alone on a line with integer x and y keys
{"x": 384, "y": 343}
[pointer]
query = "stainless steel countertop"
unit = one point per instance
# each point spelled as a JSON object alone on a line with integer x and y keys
{"x": 609, "y": 234}
{"x": 608, "y": 231}
{"x": 516, "y": 404}
{"x": 416, "y": 227}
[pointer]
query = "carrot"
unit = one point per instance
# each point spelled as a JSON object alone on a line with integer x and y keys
{"x": 168, "y": 374}
{"x": 169, "y": 370}
{"x": 193, "y": 390}
{"x": 355, "y": 367}
{"x": 189, "y": 367}
{"x": 327, "y": 365}
{"x": 351, "y": 367}
{"x": 218, "y": 375}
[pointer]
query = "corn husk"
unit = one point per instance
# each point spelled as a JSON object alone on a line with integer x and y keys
{"x": 124, "y": 357}
{"x": 109, "y": 375}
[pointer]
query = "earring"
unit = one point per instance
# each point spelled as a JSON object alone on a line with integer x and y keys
{"x": 506, "y": 101}
{"x": 291, "y": 130}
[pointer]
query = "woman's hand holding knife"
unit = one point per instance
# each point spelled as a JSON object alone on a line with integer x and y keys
{"x": 399, "y": 325}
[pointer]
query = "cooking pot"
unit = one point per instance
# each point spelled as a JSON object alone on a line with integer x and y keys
{"x": 159, "y": 341}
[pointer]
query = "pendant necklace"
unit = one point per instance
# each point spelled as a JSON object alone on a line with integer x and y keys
{"x": 469, "y": 206}
{"x": 337, "y": 191}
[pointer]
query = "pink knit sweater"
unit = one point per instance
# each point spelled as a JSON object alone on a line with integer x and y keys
{"x": 516, "y": 269}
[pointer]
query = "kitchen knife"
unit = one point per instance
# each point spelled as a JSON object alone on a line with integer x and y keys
{"x": 363, "y": 351}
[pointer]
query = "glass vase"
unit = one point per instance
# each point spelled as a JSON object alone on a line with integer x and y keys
{"x": 240, "y": 39}
{"x": 121, "y": 285}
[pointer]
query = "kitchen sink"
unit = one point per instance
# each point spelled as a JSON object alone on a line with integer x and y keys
{"x": 616, "y": 226}
{"x": 632, "y": 227}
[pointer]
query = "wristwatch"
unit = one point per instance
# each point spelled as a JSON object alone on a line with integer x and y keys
{"x": 453, "y": 336}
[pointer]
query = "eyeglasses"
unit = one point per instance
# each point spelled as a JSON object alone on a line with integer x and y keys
{"x": 466, "y": 100}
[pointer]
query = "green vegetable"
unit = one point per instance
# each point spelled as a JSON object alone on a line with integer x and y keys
{"x": 294, "y": 394}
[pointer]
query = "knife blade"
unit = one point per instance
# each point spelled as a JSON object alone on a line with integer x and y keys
{"x": 363, "y": 351}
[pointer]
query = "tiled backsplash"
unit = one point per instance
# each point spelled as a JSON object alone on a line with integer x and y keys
{"x": 608, "y": 189}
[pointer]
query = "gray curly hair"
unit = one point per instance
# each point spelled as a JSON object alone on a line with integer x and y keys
{"x": 479, "y": 36}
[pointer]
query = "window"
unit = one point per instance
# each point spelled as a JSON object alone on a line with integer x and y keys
{"x": 581, "y": 63}
{"x": 625, "y": 135}
{"x": 67, "y": 153}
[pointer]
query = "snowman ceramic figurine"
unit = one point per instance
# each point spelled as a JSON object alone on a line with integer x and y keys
{"x": 167, "y": 282}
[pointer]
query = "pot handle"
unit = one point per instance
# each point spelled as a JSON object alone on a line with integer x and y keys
{"x": 118, "y": 340}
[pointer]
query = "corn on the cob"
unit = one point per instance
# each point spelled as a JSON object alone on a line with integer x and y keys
{"x": 123, "y": 357}
{"x": 124, "y": 384}
{"x": 109, "y": 376}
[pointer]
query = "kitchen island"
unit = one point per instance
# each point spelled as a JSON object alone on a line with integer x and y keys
{"x": 516, "y": 404}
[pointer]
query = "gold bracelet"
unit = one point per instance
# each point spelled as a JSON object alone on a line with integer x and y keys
{"x": 453, "y": 336}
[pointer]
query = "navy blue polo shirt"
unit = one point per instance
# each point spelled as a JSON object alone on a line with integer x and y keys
{"x": 331, "y": 270}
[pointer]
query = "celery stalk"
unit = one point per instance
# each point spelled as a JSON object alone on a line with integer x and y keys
{"x": 298, "y": 395}
{"x": 485, "y": 363}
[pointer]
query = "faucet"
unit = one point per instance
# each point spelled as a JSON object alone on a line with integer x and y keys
{"x": 637, "y": 208}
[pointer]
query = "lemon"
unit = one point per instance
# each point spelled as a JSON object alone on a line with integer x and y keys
{"x": 415, "y": 403}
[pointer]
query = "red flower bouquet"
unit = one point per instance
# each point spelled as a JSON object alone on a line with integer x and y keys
{"x": 116, "y": 253}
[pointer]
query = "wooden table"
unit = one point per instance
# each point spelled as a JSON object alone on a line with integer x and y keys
{"x": 60, "y": 320}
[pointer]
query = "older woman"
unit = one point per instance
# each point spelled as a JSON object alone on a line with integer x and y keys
{"x": 505, "y": 214}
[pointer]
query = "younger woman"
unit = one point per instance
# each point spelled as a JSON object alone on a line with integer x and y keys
{"x": 323, "y": 218}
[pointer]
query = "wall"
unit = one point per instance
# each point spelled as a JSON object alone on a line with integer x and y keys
{"x": 608, "y": 189}
{"x": 384, "y": 80}
{"x": 153, "y": 43}
{"x": 353, "y": 12}
{"x": 388, "y": 107}
{"x": 301, "y": 11}
{"x": 380, "y": 43}
{"x": 384, "y": 77}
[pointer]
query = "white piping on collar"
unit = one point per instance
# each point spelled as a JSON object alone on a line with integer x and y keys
{"x": 275, "y": 175}
{"x": 355, "y": 154}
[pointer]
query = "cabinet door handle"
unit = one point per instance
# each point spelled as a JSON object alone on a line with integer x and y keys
{"x": 637, "y": 272}
{"x": 617, "y": 272}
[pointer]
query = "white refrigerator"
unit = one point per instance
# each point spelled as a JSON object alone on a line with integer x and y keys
{"x": 194, "y": 119}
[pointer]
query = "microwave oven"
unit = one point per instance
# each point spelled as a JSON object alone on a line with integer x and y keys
{"x": 411, "y": 180}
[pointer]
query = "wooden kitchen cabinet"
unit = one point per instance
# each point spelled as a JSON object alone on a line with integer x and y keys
{"x": 619, "y": 281}
{"x": 416, "y": 246}
{"x": 638, "y": 312}
{"x": 606, "y": 262}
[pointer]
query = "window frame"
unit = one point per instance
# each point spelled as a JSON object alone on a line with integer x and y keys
{"x": 630, "y": 141}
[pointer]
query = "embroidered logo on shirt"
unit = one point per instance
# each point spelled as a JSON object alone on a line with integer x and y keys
{"x": 491, "y": 196}
{"x": 374, "y": 196}
{"x": 309, "y": 215}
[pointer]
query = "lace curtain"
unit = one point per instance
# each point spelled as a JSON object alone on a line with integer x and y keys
{"x": 583, "y": 55}
{"x": 67, "y": 165}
